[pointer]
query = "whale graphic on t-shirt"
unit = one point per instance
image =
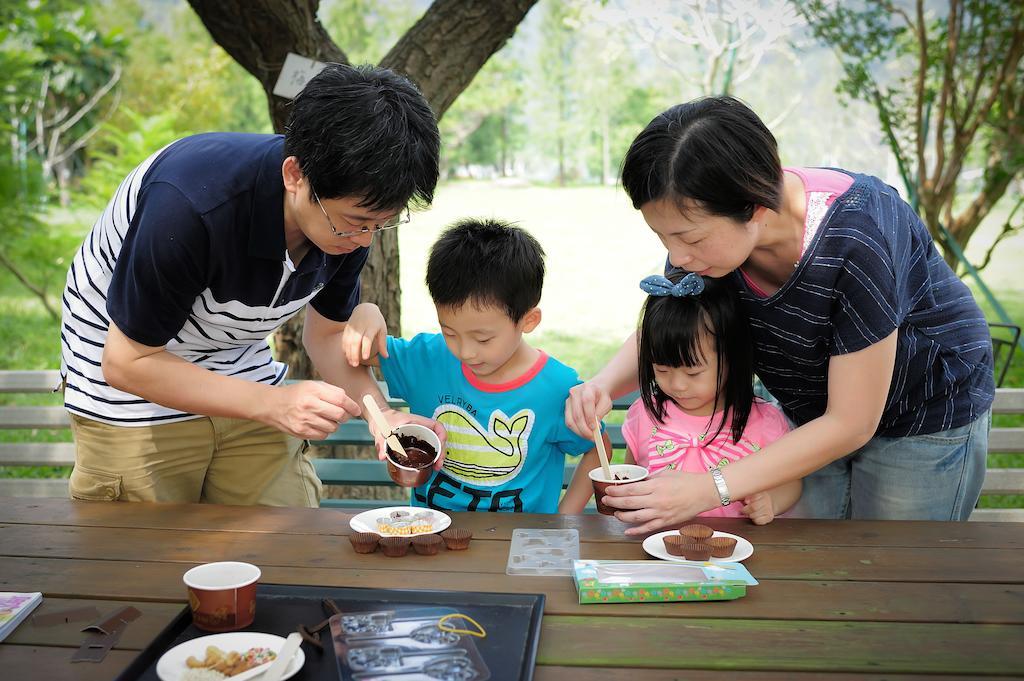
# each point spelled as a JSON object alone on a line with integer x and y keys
{"x": 481, "y": 455}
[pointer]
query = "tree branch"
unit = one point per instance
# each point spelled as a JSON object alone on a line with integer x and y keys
{"x": 37, "y": 291}
{"x": 442, "y": 65}
{"x": 93, "y": 100}
{"x": 1007, "y": 72}
{"x": 922, "y": 70}
{"x": 1008, "y": 229}
{"x": 948, "y": 88}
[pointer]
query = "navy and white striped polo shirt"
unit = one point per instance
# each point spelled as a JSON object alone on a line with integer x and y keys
{"x": 190, "y": 254}
{"x": 870, "y": 269}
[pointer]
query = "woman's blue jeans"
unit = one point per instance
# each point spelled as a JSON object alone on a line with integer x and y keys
{"x": 923, "y": 477}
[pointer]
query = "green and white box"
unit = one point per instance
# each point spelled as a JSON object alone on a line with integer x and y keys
{"x": 637, "y": 581}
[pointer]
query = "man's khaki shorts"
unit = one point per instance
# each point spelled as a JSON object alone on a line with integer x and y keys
{"x": 208, "y": 459}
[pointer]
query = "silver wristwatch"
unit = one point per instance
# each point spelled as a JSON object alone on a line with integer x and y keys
{"x": 723, "y": 489}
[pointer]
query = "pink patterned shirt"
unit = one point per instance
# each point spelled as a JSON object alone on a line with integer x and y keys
{"x": 681, "y": 443}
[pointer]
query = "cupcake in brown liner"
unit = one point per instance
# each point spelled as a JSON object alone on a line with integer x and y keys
{"x": 364, "y": 542}
{"x": 427, "y": 544}
{"x": 456, "y": 538}
{"x": 722, "y": 547}
{"x": 394, "y": 547}
{"x": 695, "y": 551}
{"x": 696, "y": 533}
{"x": 673, "y": 544}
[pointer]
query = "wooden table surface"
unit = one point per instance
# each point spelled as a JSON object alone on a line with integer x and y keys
{"x": 840, "y": 600}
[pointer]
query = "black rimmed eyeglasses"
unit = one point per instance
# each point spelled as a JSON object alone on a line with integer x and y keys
{"x": 400, "y": 219}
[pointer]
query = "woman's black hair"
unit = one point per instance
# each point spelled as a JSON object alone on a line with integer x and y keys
{"x": 713, "y": 152}
{"x": 670, "y": 334}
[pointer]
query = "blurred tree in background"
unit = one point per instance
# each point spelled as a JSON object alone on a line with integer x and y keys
{"x": 948, "y": 87}
{"x": 61, "y": 73}
{"x": 559, "y": 103}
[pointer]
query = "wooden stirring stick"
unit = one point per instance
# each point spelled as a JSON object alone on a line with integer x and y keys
{"x": 382, "y": 424}
{"x": 601, "y": 454}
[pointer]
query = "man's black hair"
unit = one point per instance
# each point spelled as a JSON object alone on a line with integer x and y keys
{"x": 486, "y": 262}
{"x": 365, "y": 131}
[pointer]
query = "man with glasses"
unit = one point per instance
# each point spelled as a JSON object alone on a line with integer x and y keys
{"x": 205, "y": 249}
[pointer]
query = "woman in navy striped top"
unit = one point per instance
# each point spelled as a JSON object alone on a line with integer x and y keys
{"x": 875, "y": 350}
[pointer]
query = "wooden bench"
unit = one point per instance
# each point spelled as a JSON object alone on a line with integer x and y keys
{"x": 998, "y": 481}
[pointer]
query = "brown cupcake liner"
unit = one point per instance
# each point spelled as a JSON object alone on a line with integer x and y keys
{"x": 427, "y": 544}
{"x": 722, "y": 547}
{"x": 364, "y": 542}
{"x": 394, "y": 547}
{"x": 456, "y": 538}
{"x": 674, "y": 544}
{"x": 696, "y": 533}
{"x": 695, "y": 551}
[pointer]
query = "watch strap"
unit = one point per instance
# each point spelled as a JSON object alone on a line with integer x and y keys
{"x": 723, "y": 489}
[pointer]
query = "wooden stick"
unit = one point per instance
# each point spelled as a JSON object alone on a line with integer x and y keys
{"x": 601, "y": 454}
{"x": 382, "y": 424}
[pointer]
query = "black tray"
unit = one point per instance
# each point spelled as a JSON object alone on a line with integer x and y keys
{"x": 512, "y": 622}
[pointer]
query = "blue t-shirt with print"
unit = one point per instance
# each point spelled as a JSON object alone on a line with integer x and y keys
{"x": 506, "y": 443}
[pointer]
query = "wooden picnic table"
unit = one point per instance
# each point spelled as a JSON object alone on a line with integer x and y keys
{"x": 839, "y": 600}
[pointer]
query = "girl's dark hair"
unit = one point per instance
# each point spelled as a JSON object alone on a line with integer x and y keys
{"x": 712, "y": 151}
{"x": 670, "y": 334}
{"x": 365, "y": 131}
{"x": 486, "y": 262}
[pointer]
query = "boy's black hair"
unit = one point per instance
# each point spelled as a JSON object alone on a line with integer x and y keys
{"x": 486, "y": 262}
{"x": 670, "y": 334}
{"x": 365, "y": 131}
{"x": 713, "y": 151}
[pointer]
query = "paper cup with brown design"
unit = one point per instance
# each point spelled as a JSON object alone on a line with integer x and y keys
{"x": 622, "y": 473}
{"x": 222, "y": 595}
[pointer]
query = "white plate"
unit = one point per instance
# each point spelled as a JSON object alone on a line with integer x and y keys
{"x": 655, "y": 546}
{"x": 171, "y": 666}
{"x": 367, "y": 520}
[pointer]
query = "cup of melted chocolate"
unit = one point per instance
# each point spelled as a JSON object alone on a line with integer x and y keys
{"x": 421, "y": 451}
{"x": 622, "y": 473}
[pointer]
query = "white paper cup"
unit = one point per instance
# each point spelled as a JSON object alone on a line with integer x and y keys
{"x": 631, "y": 473}
{"x": 222, "y": 595}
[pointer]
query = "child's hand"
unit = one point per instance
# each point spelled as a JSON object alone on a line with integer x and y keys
{"x": 587, "y": 404}
{"x": 365, "y": 334}
{"x": 759, "y": 508}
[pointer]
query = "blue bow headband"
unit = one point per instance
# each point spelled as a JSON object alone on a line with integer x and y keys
{"x": 656, "y": 285}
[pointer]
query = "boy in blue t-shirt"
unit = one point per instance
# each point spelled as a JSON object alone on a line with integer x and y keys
{"x": 501, "y": 401}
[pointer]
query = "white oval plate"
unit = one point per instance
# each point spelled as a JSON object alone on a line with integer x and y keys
{"x": 655, "y": 546}
{"x": 171, "y": 666}
{"x": 367, "y": 520}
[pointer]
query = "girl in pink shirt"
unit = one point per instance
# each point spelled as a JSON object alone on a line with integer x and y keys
{"x": 697, "y": 410}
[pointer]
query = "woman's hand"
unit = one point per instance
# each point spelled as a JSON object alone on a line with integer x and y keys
{"x": 365, "y": 334}
{"x": 667, "y": 499}
{"x": 586, "y": 406}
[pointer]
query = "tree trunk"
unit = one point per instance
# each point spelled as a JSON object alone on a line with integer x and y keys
{"x": 441, "y": 53}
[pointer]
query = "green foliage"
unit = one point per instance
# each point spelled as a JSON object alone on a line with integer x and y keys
{"x": 119, "y": 149}
{"x": 176, "y": 69}
{"x": 57, "y": 59}
{"x": 365, "y": 30}
{"x": 484, "y": 125}
{"x": 58, "y": 56}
